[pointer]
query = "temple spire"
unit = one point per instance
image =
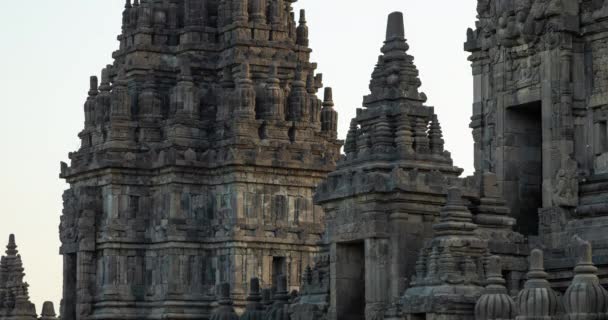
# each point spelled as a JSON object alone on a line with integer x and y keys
{"x": 395, "y": 29}
{"x": 302, "y": 30}
{"x": 14, "y": 300}
{"x": 11, "y": 248}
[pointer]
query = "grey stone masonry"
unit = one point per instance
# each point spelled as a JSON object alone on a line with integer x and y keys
{"x": 385, "y": 254}
{"x": 14, "y": 298}
{"x": 450, "y": 269}
{"x": 208, "y": 158}
{"x": 202, "y": 145}
{"x": 539, "y": 120}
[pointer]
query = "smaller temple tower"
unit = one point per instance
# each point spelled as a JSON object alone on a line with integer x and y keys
{"x": 14, "y": 298}
{"x": 450, "y": 270}
{"x": 386, "y": 193}
{"x": 405, "y": 234}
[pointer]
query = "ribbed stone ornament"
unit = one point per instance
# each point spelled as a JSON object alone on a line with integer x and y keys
{"x": 537, "y": 301}
{"x": 495, "y": 303}
{"x": 48, "y": 311}
{"x": 585, "y": 299}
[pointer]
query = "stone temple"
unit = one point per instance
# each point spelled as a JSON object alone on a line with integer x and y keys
{"x": 210, "y": 183}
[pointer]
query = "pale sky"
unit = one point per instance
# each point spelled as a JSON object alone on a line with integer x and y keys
{"x": 50, "y": 48}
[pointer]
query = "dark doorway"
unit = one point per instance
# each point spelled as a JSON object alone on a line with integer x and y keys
{"x": 523, "y": 164}
{"x": 350, "y": 281}
{"x": 279, "y": 268}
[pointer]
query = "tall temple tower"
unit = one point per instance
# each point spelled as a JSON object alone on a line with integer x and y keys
{"x": 540, "y": 119}
{"x": 202, "y": 147}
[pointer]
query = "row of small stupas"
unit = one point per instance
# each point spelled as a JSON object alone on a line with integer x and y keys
{"x": 14, "y": 297}
{"x": 444, "y": 287}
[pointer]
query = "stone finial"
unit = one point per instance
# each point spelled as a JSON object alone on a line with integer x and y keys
{"x": 495, "y": 303}
{"x": 302, "y": 30}
{"x": 494, "y": 271}
{"x": 489, "y": 185}
{"x": 329, "y": 116}
{"x": 245, "y": 95}
{"x": 537, "y": 265}
{"x": 48, "y": 311}
{"x": 395, "y": 28}
{"x": 492, "y": 213}
{"x": 298, "y": 98}
{"x": 585, "y": 298}
{"x": 274, "y": 97}
{"x": 328, "y": 99}
{"x": 225, "y": 310}
{"x": 454, "y": 196}
{"x": 254, "y": 309}
{"x": 436, "y": 136}
{"x": 537, "y": 300}
{"x": 11, "y": 248}
{"x": 93, "y": 86}
{"x": 310, "y": 84}
{"x": 455, "y": 217}
{"x": 104, "y": 86}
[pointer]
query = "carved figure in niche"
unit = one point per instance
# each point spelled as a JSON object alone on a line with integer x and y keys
{"x": 507, "y": 29}
{"x": 486, "y": 15}
{"x": 565, "y": 192}
{"x": 601, "y": 163}
{"x": 70, "y": 211}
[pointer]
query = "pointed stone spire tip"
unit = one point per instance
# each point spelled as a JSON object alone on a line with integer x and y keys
{"x": 395, "y": 29}
{"x": 329, "y": 95}
{"x": 11, "y": 248}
